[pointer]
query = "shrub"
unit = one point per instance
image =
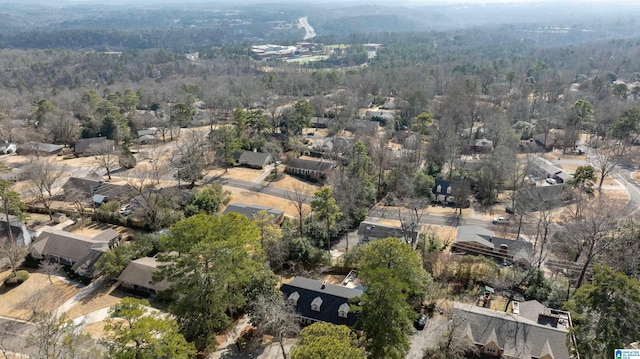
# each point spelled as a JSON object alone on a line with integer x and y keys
{"x": 17, "y": 279}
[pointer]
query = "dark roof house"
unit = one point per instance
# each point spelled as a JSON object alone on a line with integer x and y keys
{"x": 138, "y": 275}
{"x": 78, "y": 251}
{"x": 37, "y": 148}
{"x": 92, "y": 146}
{"x": 481, "y": 241}
{"x": 370, "y": 231}
{"x": 317, "y": 301}
{"x": 317, "y": 170}
{"x": 251, "y": 159}
{"x": 250, "y": 211}
{"x": 93, "y": 187}
{"x": 514, "y": 336}
{"x": 443, "y": 190}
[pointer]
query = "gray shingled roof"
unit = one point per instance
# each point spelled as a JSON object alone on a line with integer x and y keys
{"x": 253, "y": 159}
{"x": 517, "y": 336}
{"x": 68, "y": 245}
{"x": 250, "y": 210}
{"x": 518, "y": 249}
{"x": 140, "y": 272}
{"x": 311, "y": 165}
{"x": 39, "y": 147}
{"x": 374, "y": 230}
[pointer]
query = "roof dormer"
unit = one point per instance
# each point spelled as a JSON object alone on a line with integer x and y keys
{"x": 343, "y": 310}
{"x": 316, "y": 303}
{"x": 293, "y": 299}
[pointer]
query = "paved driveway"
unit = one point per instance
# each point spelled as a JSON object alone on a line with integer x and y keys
{"x": 427, "y": 337}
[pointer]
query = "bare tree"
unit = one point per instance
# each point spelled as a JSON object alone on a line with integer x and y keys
{"x": 56, "y": 336}
{"x": 43, "y": 175}
{"x": 299, "y": 197}
{"x": 107, "y": 159}
{"x": 191, "y": 158}
{"x": 50, "y": 268}
{"x": 275, "y": 318}
{"x": 605, "y": 160}
{"x": 593, "y": 233}
{"x": 410, "y": 221}
{"x": 79, "y": 199}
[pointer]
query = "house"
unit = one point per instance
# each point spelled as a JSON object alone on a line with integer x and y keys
{"x": 383, "y": 117}
{"x": 93, "y": 188}
{"x": 443, "y": 191}
{"x": 311, "y": 169}
{"x": 334, "y": 144}
{"x": 250, "y": 211}
{"x": 541, "y": 167}
{"x": 481, "y": 145}
{"x": 366, "y": 125}
{"x": 481, "y": 241}
{"x": 541, "y": 333}
{"x": 93, "y": 146}
{"x": 543, "y": 197}
{"x": 252, "y": 159}
{"x": 39, "y": 149}
{"x": 317, "y": 301}
{"x": 138, "y": 276}
{"x": 20, "y": 233}
{"x": 77, "y": 251}
{"x": 546, "y": 141}
{"x": 320, "y": 122}
{"x": 370, "y": 231}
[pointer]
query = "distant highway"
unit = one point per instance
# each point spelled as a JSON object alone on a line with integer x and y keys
{"x": 310, "y": 32}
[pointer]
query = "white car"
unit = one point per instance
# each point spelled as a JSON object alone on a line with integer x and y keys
{"x": 550, "y": 180}
{"x": 500, "y": 220}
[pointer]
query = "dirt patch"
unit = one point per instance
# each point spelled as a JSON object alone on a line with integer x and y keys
{"x": 636, "y": 176}
{"x": 446, "y": 234}
{"x": 105, "y": 297}
{"x": 96, "y": 329}
{"x": 248, "y": 197}
{"x": 241, "y": 173}
{"x": 36, "y": 293}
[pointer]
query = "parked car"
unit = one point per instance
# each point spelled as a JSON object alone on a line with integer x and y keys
{"x": 420, "y": 322}
{"x": 500, "y": 220}
{"x": 550, "y": 180}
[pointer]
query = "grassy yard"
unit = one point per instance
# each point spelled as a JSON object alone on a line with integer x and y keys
{"x": 37, "y": 293}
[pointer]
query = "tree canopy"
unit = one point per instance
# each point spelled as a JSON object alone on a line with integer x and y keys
{"x": 325, "y": 340}
{"x": 136, "y": 332}
{"x": 605, "y": 313}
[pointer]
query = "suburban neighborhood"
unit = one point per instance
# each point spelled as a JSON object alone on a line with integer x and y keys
{"x": 394, "y": 195}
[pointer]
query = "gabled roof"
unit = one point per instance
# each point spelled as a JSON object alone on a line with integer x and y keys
{"x": 140, "y": 272}
{"x": 374, "y": 230}
{"x": 254, "y": 159}
{"x": 251, "y": 210}
{"x": 83, "y": 185}
{"x": 517, "y": 336}
{"x": 311, "y": 165}
{"x": 519, "y": 250}
{"x": 444, "y": 184}
{"x": 39, "y": 147}
{"x": 70, "y": 245}
{"x": 332, "y": 297}
{"x": 546, "y": 351}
